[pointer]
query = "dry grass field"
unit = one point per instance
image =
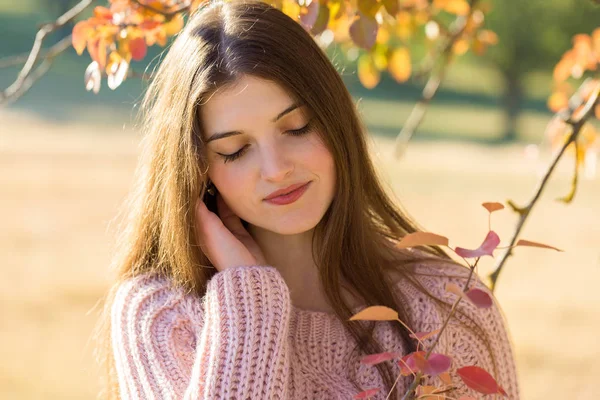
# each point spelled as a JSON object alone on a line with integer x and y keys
{"x": 62, "y": 184}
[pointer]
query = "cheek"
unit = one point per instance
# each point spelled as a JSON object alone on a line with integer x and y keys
{"x": 230, "y": 181}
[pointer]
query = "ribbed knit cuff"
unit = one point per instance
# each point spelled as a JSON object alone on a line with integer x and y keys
{"x": 244, "y": 343}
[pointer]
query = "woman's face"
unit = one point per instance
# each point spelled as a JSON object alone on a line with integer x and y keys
{"x": 265, "y": 149}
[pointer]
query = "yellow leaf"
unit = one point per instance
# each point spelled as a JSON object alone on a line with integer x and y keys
{"x": 461, "y": 46}
{"x": 174, "y": 25}
{"x": 399, "y": 64}
{"x": 367, "y": 72}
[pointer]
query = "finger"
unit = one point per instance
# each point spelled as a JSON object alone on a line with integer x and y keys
{"x": 230, "y": 220}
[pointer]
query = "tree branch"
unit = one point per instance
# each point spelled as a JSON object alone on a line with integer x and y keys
{"x": 28, "y": 75}
{"x": 167, "y": 14}
{"x": 567, "y": 116}
{"x": 433, "y": 84}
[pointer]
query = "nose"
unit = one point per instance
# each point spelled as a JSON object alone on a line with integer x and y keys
{"x": 276, "y": 164}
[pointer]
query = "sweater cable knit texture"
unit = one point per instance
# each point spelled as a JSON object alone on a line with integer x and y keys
{"x": 245, "y": 340}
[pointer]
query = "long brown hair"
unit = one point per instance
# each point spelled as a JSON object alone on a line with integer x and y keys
{"x": 353, "y": 243}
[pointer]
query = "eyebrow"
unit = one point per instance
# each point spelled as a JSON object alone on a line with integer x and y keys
{"x": 222, "y": 135}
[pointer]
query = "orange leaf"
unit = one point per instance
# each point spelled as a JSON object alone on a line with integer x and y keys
{"x": 400, "y": 64}
{"x": 81, "y": 33}
{"x": 563, "y": 69}
{"x": 597, "y": 111}
{"x": 480, "y": 380}
{"x": 493, "y": 206}
{"x": 424, "y": 335}
{"x": 461, "y": 46}
{"x": 523, "y": 242}
{"x": 375, "y": 313}
{"x": 422, "y": 239}
{"x": 455, "y": 289}
{"x": 103, "y": 13}
{"x": 445, "y": 378}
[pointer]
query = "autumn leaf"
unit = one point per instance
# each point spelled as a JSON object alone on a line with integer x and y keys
{"x": 422, "y": 239}
{"x": 138, "y": 48}
{"x": 416, "y": 362}
{"x": 368, "y": 74}
{"x": 81, "y": 33}
{"x": 479, "y": 297}
{"x": 376, "y": 313}
{"x": 373, "y": 359}
{"x": 366, "y": 394}
{"x": 400, "y": 64}
{"x": 523, "y": 242}
{"x": 480, "y": 380}
{"x": 363, "y": 31}
{"x": 493, "y": 206}
{"x": 486, "y": 249}
{"x": 424, "y": 335}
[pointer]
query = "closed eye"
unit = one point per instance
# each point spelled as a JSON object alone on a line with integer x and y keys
{"x": 294, "y": 132}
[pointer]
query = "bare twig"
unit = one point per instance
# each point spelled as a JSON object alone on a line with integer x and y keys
{"x": 28, "y": 75}
{"x": 567, "y": 116}
{"x": 167, "y": 14}
{"x": 433, "y": 84}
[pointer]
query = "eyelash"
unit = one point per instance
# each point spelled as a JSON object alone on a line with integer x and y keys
{"x": 294, "y": 132}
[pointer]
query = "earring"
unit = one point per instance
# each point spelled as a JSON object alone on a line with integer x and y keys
{"x": 211, "y": 188}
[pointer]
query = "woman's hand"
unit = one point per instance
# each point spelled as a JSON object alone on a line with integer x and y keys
{"x": 223, "y": 238}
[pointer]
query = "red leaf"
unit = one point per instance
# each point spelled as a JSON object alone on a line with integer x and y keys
{"x": 486, "y": 249}
{"x": 480, "y": 380}
{"x": 373, "y": 359}
{"x": 436, "y": 364}
{"x": 366, "y": 394}
{"x": 480, "y": 298}
{"x": 138, "y": 48}
{"x": 415, "y": 362}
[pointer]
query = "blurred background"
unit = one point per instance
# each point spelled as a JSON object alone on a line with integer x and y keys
{"x": 67, "y": 158}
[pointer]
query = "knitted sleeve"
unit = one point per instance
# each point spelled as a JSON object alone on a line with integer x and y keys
{"x": 464, "y": 346}
{"x": 232, "y": 343}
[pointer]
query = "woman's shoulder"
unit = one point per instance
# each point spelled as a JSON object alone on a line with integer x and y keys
{"x": 426, "y": 282}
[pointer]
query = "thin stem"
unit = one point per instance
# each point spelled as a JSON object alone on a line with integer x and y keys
{"x": 525, "y": 211}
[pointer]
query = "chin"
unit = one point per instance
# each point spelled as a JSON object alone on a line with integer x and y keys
{"x": 291, "y": 224}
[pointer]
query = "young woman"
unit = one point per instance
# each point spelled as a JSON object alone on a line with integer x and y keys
{"x": 258, "y": 227}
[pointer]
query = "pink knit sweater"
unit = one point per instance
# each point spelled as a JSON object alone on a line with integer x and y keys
{"x": 246, "y": 340}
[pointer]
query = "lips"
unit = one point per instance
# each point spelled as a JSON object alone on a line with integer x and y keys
{"x": 285, "y": 190}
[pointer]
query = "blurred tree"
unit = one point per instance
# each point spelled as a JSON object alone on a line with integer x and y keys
{"x": 533, "y": 35}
